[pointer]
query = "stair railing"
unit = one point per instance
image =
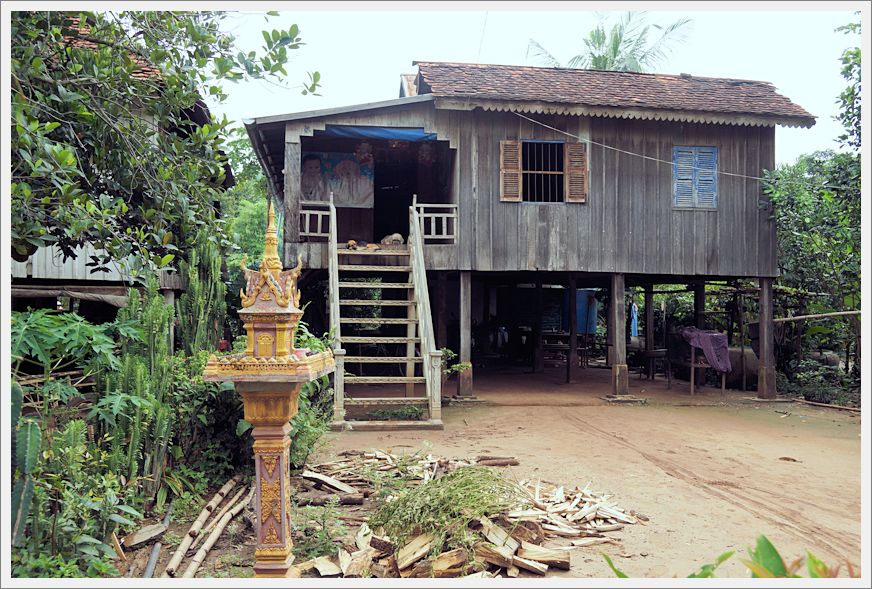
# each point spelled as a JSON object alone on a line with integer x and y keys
{"x": 431, "y": 355}
{"x": 333, "y": 294}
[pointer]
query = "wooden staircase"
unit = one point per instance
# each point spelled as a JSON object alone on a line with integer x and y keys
{"x": 382, "y": 346}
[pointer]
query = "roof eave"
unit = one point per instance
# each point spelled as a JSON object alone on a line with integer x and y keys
{"x": 257, "y": 144}
{"x": 316, "y": 114}
{"x": 541, "y": 107}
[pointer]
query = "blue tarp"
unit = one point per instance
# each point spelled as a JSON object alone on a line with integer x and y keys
{"x": 586, "y": 310}
{"x": 350, "y": 132}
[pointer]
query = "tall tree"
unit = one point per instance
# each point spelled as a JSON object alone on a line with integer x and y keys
{"x": 111, "y": 142}
{"x": 849, "y": 99}
{"x": 625, "y": 47}
{"x": 817, "y": 207}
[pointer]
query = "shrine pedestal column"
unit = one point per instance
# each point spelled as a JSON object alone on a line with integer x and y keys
{"x": 269, "y": 406}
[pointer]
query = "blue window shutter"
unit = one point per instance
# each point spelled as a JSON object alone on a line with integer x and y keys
{"x": 682, "y": 176}
{"x": 707, "y": 177}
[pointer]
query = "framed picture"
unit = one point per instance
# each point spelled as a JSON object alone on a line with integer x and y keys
{"x": 346, "y": 175}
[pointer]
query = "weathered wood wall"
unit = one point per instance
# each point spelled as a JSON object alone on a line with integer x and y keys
{"x": 627, "y": 225}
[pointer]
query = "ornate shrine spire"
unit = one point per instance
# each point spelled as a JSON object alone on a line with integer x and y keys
{"x": 271, "y": 261}
{"x": 270, "y": 288}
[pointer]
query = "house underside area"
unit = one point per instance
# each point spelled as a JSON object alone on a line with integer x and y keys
{"x": 522, "y": 323}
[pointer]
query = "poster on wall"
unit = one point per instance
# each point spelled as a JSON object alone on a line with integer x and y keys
{"x": 347, "y": 175}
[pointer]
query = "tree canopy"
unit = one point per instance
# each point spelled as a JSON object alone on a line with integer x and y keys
{"x": 625, "y": 47}
{"x": 111, "y": 142}
{"x": 817, "y": 206}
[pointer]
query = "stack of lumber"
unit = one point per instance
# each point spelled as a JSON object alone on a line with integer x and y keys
{"x": 535, "y": 538}
{"x": 349, "y": 468}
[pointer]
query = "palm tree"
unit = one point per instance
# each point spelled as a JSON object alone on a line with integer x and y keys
{"x": 624, "y": 48}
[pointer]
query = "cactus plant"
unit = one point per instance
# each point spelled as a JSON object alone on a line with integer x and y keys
{"x": 27, "y": 438}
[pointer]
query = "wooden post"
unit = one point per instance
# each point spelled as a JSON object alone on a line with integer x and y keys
{"x": 411, "y": 331}
{"x": 572, "y": 352}
{"x": 292, "y": 203}
{"x": 485, "y": 318}
{"x": 617, "y": 311}
{"x": 434, "y": 365}
{"x": 699, "y": 319}
{"x": 538, "y": 352}
{"x": 741, "y": 308}
{"x": 464, "y": 377}
{"x": 441, "y": 310}
{"x": 339, "y": 386}
{"x": 610, "y": 336}
{"x": 269, "y": 407}
{"x": 766, "y": 373}
{"x": 649, "y": 328}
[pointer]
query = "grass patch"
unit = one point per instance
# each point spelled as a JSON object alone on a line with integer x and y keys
{"x": 445, "y": 506}
{"x": 406, "y": 413}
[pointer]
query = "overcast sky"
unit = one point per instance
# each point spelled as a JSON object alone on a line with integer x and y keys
{"x": 361, "y": 54}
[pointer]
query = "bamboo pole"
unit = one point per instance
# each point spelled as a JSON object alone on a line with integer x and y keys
{"x": 208, "y": 527}
{"x": 816, "y": 316}
{"x": 816, "y": 404}
{"x": 173, "y": 565}
{"x": 216, "y": 533}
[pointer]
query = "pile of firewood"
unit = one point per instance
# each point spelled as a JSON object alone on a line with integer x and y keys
{"x": 502, "y": 543}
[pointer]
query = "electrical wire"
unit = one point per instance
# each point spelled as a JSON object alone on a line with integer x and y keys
{"x": 653, "y": 159}
{"x": 481, "y": 39}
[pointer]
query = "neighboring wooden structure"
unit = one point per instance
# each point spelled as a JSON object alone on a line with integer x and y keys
{"x": 610, "y": 179}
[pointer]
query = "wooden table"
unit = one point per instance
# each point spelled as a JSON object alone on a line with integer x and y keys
{"x": 703, "y": 364}
{"x": 559, "y": 341}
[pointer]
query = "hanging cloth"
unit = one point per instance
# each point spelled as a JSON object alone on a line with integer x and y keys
{"x": 634, "y": 321}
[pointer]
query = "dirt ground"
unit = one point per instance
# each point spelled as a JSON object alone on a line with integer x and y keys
{"x": 711, "y": 472}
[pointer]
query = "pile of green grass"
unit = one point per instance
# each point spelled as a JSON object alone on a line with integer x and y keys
{"x": 444, "y": 507}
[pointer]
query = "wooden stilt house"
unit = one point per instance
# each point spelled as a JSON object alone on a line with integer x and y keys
{"x": 497, "y": 174}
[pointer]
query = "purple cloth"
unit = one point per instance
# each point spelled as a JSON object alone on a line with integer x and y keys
{"x": 712, "y": 343}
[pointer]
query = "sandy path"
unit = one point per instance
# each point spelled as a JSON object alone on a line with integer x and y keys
{"x": 711, "y": 478}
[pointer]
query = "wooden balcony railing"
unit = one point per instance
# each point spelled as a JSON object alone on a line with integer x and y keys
{"x": 314, "y": 220}
{"x": 438, "y": 222}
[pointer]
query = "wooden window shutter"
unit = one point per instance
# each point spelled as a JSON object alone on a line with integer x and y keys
{"x": 510, "y": 171}
{"x": 682, "y": 176}
{"x": 707, "y": 177}
{"x": 575, "y": 174}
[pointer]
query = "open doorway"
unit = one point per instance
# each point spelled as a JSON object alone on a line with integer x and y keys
{"x": 394, "y": 182}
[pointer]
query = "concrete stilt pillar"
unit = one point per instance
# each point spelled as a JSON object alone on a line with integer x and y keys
{"x": 617, "y": 310}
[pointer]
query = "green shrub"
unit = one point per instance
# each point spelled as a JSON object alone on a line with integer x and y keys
{"x": 316, "y": 531}
{"x": 765, "y": 562}
{"x": 77, "y": 504}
